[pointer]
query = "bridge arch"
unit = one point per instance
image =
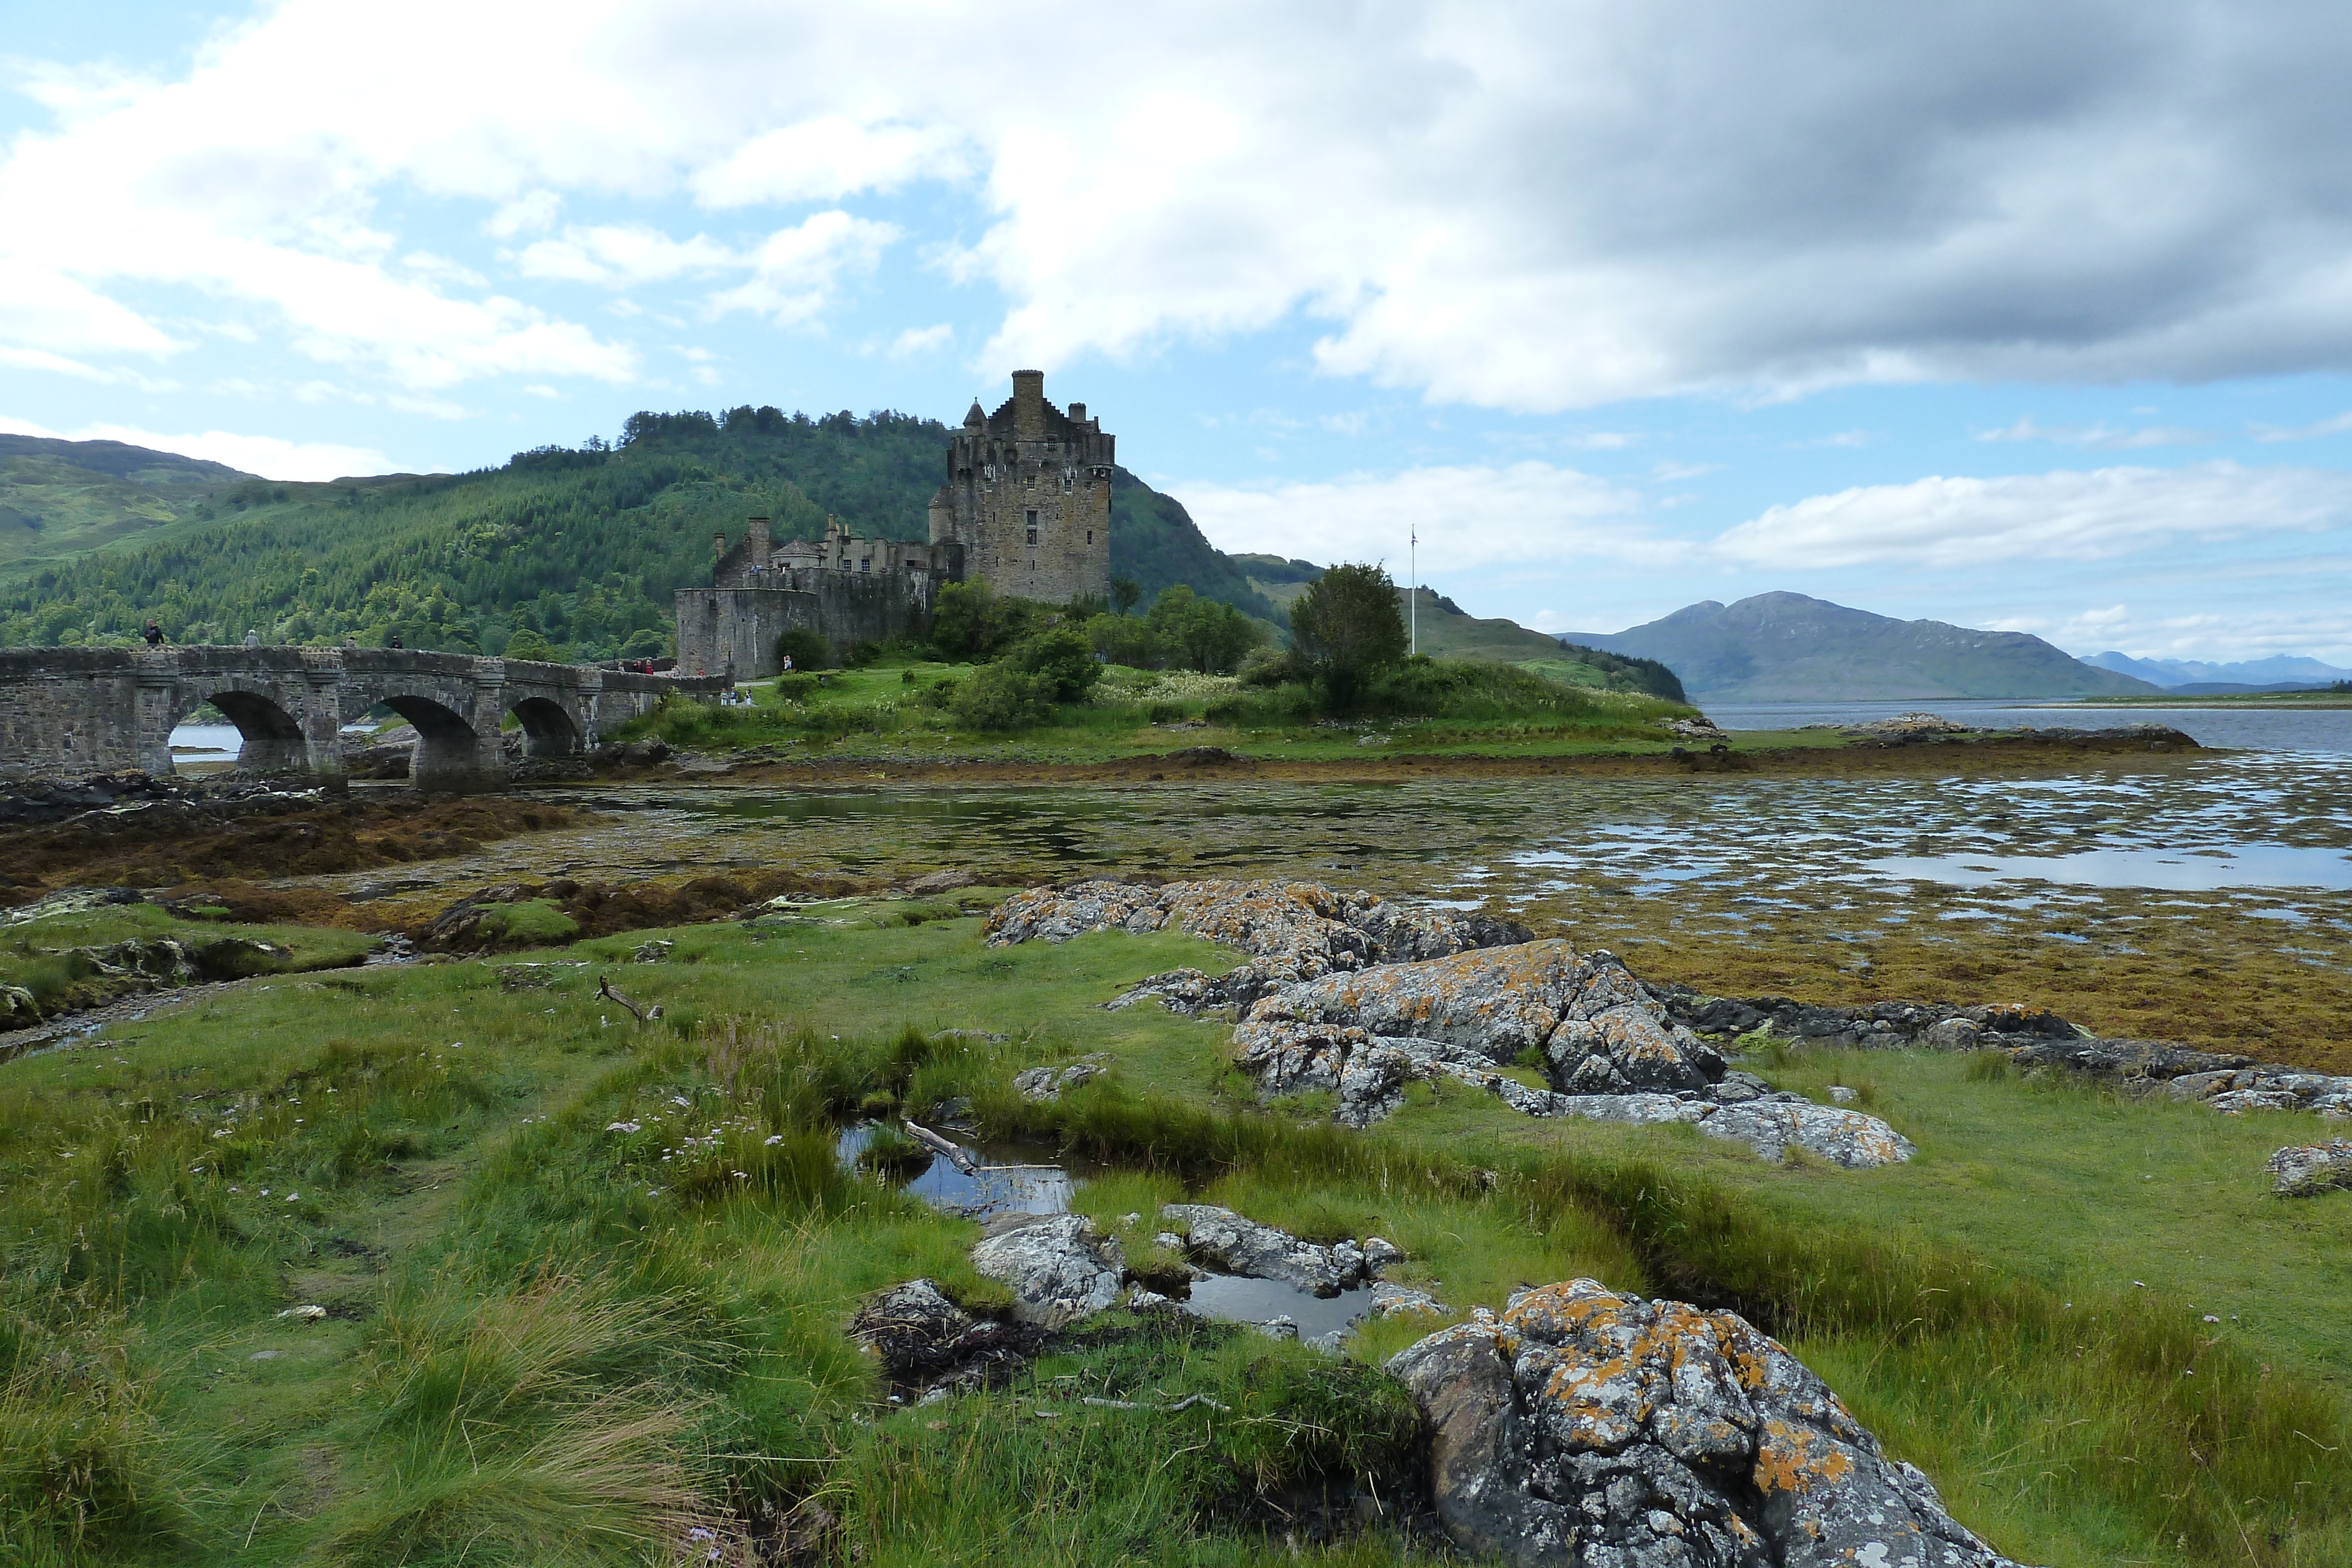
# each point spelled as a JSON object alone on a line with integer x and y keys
{"x": 448, "y": 750}
{"x": 548, "y": 728}
{"x": 273, "y": 737}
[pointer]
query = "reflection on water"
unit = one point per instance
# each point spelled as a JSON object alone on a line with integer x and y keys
{"x": 2251, "y": 865}
{"x": 1232, "y": 1299}
{"x": 1012, "y": 1179}
{"x": 205, "y": 743}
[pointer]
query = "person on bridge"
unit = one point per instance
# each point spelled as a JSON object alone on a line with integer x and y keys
{"x": 154, "y": 635}
{"x": 252, "y": 638}
{"x": 392, "y": 640}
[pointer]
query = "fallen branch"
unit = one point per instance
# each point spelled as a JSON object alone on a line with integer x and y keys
{"x": 642, "y": 1014}
{"x": 943, "y": 1148}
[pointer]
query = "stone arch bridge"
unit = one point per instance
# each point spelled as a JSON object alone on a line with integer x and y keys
{"x": 77, "y": 711}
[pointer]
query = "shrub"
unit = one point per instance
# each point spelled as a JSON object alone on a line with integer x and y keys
{"x": 795, "y": 687}
{"x": 1346, "y": 628}
{"x": 1201, "y": 633}
{"x": 1062, "y": 662}
{"x": 1124, "y": 640}
{"x": 1001, "y": 698}
{"x": 1267, "y": 667}
{"x": 971, "y": 621}
{"x": 806, "y": 649}
{"x": 529, "y": 643}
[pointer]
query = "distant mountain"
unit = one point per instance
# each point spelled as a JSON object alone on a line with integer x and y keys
{"x": 1786, "y": 647}
{"x": 2280, "y": 672}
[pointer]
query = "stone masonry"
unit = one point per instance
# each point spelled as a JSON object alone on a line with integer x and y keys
{"x": 1028, "y": 496}
{"x": 77, "y": 711}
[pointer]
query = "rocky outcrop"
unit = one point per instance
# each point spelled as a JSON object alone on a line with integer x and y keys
{"x": 1612, "y": 1052}
{"x": 1586, "y": 1427}
{"x": 1233, "y": 1245}
{"x": 2306, "y": 1170}
{"x": 1058, "y": 1269}
{"x": 1291, "y": 931}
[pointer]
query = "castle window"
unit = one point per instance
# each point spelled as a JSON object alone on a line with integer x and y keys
{"x": 1090, "y": 536}
{"x": 1032, "y": 525}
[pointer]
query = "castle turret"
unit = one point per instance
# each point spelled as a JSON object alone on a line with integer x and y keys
{"x": 1028, "y": 496}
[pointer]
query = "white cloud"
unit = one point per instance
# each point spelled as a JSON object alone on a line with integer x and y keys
{"x": 2098, "y": 433}
{"x": 2338, "y": 424}
{"x": 1466, "y": 517}
{"x": 921, "y": 341}
{"x": 1536, "y": 207}
{"x": 621, "y": 256}
{"x": 2079, "y": 516}
{"x": 826, "y": 159}
{"x": 267, "y": 455}
{"x": 796, "y": 271}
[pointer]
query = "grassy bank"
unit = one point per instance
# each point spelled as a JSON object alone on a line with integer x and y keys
{"x": 584, "y": 1285}
{"x": 909, "y": 712}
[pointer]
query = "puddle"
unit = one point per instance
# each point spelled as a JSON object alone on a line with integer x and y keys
{"x": 1233, "y": 1299}
{"x": 1013, "y": 1178}
{"x": 2178, "y": 871}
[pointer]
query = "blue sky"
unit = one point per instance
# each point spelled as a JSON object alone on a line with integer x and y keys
{"x": 2028, "y": 316}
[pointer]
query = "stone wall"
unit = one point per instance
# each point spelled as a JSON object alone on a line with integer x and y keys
{"x": 733, "y": 630}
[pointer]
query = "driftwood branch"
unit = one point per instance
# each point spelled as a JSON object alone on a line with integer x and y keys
{"x": 642, "y": 1014}
{"x": 943, "y": 1148}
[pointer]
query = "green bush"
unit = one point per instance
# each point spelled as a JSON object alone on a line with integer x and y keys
{"x": 1062, "y": 660}
{"x": 1201, "y": 633}
{"x": 1347, "y": 629}
{"x": 1124, "y": 640}
{"x": 795, "y": 687}
{"x": 807, "y": 650}
{"x": 972, "y": 621}
{"x": 1001, "y": 698}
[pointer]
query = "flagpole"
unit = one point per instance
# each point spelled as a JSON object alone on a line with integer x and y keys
{"x": 1413, "y": 591}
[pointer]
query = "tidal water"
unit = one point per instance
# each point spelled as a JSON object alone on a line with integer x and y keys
{"x": 2260, "y": 729}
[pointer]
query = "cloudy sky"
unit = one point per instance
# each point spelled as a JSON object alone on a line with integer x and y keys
{"x": 2025, "y": 315}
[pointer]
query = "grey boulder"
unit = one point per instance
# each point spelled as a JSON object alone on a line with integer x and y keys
{"x": 1059, "y": 1269}
{"x": 2306, "y": 1170}
{"x": 1226, "y": 1241}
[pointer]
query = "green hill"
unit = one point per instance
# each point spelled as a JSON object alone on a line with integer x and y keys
{"x": 585, "y": 547}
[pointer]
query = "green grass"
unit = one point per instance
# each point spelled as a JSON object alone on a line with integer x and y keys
{"x": 880, "y": 713}
{"x": 547, "y": 1341}
{"x": 40, "y": 955}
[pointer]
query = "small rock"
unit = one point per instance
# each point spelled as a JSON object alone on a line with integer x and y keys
{"x": 1394, "y": 1301}
{"x": 2308, "y": 1170}
{"x": 304, "y": 1314}
{"x": 1283, "y": 1327}
{"x": 936, "y": 883}
{"x": 266, "y": 1355}
{"x": 1168, "y": 1241}
{"x": 1043, "y": 1084}
{"x": 652, "y": 952}
{"x": 1380, "y": 1254}
{"x": 1841, "y": 1095}
{"x": 1142, "y": 1300}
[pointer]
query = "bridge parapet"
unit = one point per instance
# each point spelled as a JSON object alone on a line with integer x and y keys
{"x": 94, "y": 710}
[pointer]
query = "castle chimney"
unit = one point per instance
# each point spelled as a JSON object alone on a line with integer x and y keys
{"x": 1029, "y": 405}
{"x": 719, "y": 544}
{"x": 1077, "y": 413}
{"x": 756, "y": 535}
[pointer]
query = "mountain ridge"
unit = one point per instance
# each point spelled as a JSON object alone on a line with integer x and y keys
{"x": 1789, "y": 647}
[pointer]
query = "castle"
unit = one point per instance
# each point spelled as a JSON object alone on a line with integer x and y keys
{"x": 1025, "y": 509}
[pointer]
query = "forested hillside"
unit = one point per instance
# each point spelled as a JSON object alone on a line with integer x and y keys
{"x": 585, "y": 547}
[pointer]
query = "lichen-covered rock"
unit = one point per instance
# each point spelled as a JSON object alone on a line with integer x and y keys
{"x": 1626, "y": 1048}
{"x": 1396, "y": 1301}
{"x": 1059, "y": 1269}
{"x": 2308, "y": 1170}
{"x": 1499, "y": 1001}
{"x": 1239, "y": 1246}
{"x": 1291, "y": 931}
{"x": 1843, "y": 1137}
{"x": 1586, "y": 1427}
{"x": 1367, "y": 1075}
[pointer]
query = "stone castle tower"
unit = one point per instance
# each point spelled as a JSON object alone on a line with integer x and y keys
{"x": 1028, "y": 496}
